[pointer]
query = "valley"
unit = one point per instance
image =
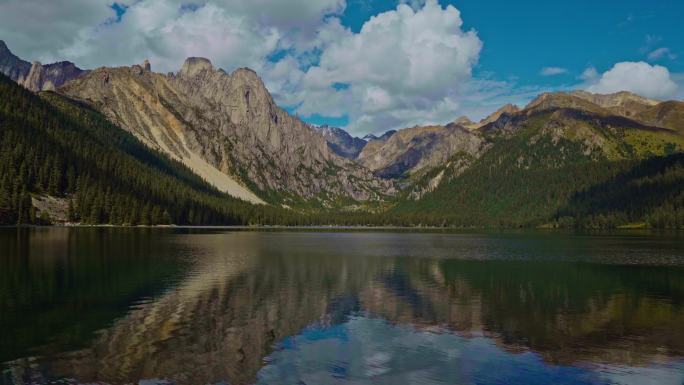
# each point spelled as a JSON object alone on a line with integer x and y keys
{"x": 228, "y": 154}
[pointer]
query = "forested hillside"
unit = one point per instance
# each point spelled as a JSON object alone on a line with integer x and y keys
{"x": 651, "y": 193}
{"x": 51, "y": 145}
{"x": 562, "y": 168}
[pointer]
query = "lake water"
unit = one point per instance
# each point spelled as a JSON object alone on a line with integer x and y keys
{"x": 220, "y": 306}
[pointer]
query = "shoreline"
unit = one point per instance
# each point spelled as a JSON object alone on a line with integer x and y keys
{"x": 333, "y": 228}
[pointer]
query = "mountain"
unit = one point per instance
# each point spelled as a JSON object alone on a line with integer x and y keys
{"x": 668, "y": 114}
{"x": 341, "y": 142}
{"x": 537, "y": 160}
{"x": 35, "y": 76}
{"x": 466, "y": 122}
{"x": 52, "y": 147}
{"x": 386, "y": 135}
{"x": 211, "y": 120}
{"x": 551, "y": 100}
{"x": 419, "y": 148}
{"x": 415, "y": 151}
{"x": 620, "y": 103}
{"x": 506, "y": 109}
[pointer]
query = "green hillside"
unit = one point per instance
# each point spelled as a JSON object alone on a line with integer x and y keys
{"x": 533, "y": 173}
{"x": 649, "y": 194}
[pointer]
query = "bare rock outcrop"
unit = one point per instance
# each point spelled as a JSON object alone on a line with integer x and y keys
{"x": 231, "y": 122}
{"x": 341, "y": 142}
{"x": 36, "y": 76}
{"x": 416, "y": 149}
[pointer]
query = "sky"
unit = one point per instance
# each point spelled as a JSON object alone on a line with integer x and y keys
{"x": 372, "y": 65}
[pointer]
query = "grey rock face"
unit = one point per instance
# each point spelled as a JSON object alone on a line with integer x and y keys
{"x": 507, "y": 109}
{"x": 382, "y": 138}
{"x": 230, "y": 121}
{"x": 11, "y": 65}
{"x": 413, "y": 150}
{"x": 621, "y": 103}
{"x": 341, "y": 143}
{"x": 35, "y": 76}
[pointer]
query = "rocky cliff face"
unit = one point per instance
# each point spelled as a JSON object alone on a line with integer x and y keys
{"x": 668, "y": 114}
{"x": 35, "y": 76}
{"x": 507, "y": 109}
{"x": 341, "y": 143}
{"x": 11, "y": 65}
{"x": 411, "y": 150}
{"x": 227, "y": 122}
{"x": 621, "y": 103}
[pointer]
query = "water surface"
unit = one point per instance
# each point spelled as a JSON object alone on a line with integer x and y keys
{"x": 206, "y": 306}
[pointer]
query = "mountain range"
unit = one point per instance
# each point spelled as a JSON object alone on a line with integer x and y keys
{"x": 529, "y": 166}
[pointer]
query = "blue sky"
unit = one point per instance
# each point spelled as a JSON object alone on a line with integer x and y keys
{"x": 521, "y": 37}
{"x": 372, "y": 65}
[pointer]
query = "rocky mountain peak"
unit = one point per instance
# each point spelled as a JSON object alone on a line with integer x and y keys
{"x": 506, "y": 109}
{"x": 509, "y": 108}
{"x": 415, "y": 150}
{"x": 556, "y": 100}
{"x": 615, "y": 99}
{"x": 195, "y": 65}
{"x": 227, "y": 126}
{"x": 464, "y": 121}
{"x": 341, "y": 142}
{"x": 11, "y": 65}
{"x": 36, "y": 76}
{"x": 622, "y": 103}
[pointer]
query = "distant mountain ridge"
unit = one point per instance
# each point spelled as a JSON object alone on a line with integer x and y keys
{"x": 35, "y": 76}
{"x": 341, "y": 142}
{"x": 419, "y": 148}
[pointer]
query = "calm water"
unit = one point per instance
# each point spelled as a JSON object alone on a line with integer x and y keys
{"x": 155, "y": 306}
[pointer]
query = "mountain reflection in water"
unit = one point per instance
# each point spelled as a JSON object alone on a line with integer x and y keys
{"x": 239, "y": 307}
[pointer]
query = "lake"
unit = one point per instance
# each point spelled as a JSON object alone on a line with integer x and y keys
{"x": 223, "y": 306}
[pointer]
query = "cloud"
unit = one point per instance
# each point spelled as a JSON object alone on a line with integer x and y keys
{"x": 414, "y": 4}
{"x": 36, "y": 30}
{"x": 403, "y": 67}
{"x": 660, "y": 53}
{"x": 653, "y": 81}
{"x": 590, "y": 75}
{"x": 410, "y": 65}
{"x": 232, "y": 33}
{"x": 167, "y": 34}
{"x": 552, "y": 71}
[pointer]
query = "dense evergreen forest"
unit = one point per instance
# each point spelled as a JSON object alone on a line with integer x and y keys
{"x": 651, "y": 193}
{"x": 610, "y": 195}
{"x": 50, "y": 145}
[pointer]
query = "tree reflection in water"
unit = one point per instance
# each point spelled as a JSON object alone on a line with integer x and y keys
{"x": 211, "y": 306}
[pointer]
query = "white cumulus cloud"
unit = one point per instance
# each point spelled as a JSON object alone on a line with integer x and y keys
{"x": 403, "y": 67}
{"x": 653, "y": 81}
{"x": 232, "y": 33}
{"x": 167, "y": 34}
